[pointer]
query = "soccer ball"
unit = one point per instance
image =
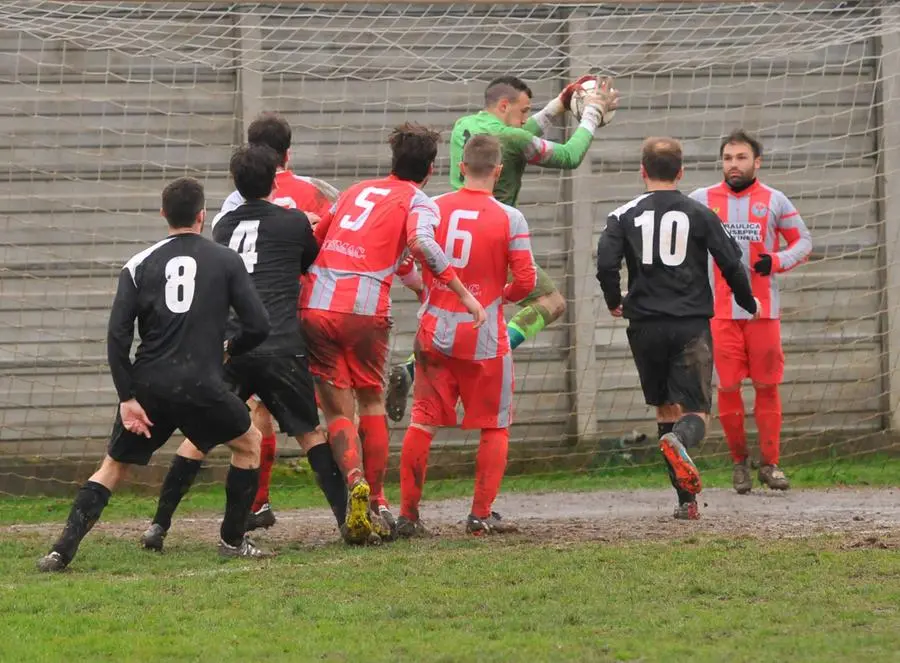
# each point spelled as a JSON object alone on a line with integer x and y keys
{"x": 577, "y": 103}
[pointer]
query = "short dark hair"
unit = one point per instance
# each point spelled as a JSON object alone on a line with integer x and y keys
{"x": 253, "y": 169}
{"x": 273, "y": 130}
{"x": 182, "y": 201}
{"x": 661, "y": 158}
{"x": 505, "y": 87}
{"x": 413, "y": 150}
{"x": 481, "y": 155}
{"x": 741, "y": 136}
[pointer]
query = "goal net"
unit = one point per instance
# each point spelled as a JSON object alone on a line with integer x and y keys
{"x": 102, "y": 103}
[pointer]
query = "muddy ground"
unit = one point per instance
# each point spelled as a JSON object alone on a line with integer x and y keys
{"x": 860, "y": 517}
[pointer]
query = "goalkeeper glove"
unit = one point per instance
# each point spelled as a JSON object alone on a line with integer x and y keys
{"x": 763, "y": 266}
{"x": 565, "y": 96}
{"x": 602, "y": 103}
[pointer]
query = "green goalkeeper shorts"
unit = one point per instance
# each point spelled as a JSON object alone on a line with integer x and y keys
{"x": 544, "y": 286}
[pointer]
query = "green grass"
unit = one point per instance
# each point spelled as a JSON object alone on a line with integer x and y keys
{"x": 297, "y": 490}
{"x": 462, "y": 600}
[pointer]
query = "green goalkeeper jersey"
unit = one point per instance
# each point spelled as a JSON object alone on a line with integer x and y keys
{"x": 520, "y": 147}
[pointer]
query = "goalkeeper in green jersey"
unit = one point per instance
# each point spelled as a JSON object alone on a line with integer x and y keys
{"x": 507, "y": 106}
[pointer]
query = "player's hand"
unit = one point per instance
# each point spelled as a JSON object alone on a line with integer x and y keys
{"x": 616, "y": 312}
{"x": 313, "y": 219}
{"x": 134, "y": 419}
{"x": 226, "y": 356}
{"x": 763, "y": 266}
{"x": 605, "y": 99}
{"x": 476, "y": 309}
{"x": 406, "y": 265}
{"x": 758, "y": 309}
{"x": 565, "y": 96}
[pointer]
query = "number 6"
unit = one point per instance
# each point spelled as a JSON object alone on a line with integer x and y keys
{"x": 455, "y": 234}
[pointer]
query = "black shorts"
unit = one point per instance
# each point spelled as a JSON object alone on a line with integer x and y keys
{"x": 674, "y": 361}
{"x": 283, "y": 384}
{"x": 218, "y": 420}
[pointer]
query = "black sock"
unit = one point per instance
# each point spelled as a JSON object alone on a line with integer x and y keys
{"x": 177, "y": 483}
{"x": 240, "y": 490}
{"x": 89, "y": 503}
{"x": 664, "y": 428}
{"x": 329, "y": 479}
{"x": 690, "y": 429}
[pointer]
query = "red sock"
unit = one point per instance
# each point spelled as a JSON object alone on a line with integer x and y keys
{"x": 490, "y": 464}
{"x": 767, "y": 411}
{"x": 731, "y": 416}
{"x": 413, "y": 464}
{"x": 266, "y": 461}
{"x": 344, "y": 443}
{"x": 373, "y": 433}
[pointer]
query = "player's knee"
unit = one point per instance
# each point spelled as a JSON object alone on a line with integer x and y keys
{"x": 371, "y": 402}
{"x": 111, "y": 472}
{"x": 762, "y": 386}
{"x": 728, "y": 389}
{"x": 262, "y": 420}
{"x": 555, "y": 304}
{"x": 311, "y": 439}
{"x": 668, "y": 412}
{"x": 246, "y": 448}
{"x": 691, "y": 429}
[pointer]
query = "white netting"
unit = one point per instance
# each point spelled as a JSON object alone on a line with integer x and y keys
{"x": 102, "y": 102}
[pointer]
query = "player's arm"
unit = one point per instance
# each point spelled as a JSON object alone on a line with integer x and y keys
{"x": 309, "y": 243}
{"x": 791, "y": 226}
{"x": 410, "y": 276}
{"x": 120, "y": 335}
{"x": 610, "y": 251}
{"x": 250, "y": 310}
{"x": 421, "y": 221}
{"x": 727, "y": 254}
{"x": 321, "y": 230}
{"x": 521, "y": 260}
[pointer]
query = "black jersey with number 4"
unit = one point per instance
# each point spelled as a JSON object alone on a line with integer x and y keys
{"x": 181, "y": 290}
{"x": 666, "y": 238}
{"x": 277, "y": 246}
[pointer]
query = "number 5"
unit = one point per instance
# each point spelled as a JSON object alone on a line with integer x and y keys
{"x": 457, "y": 236}
{"x": 347, "y": 222}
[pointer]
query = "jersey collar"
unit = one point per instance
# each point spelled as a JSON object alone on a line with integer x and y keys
{"x": 740, "y": 194}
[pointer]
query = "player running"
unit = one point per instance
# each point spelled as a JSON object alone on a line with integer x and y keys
{"x": 756, "y": 216}
{"x": 346, "y": 305}
{"x": 507, "y": 105}
{"x": 180, "y": 290}
{"x": 666, "y": 239}
{"x": 485, "y": 240}
{"x": 314, "y": 197}
{"x": 277, "y": 246}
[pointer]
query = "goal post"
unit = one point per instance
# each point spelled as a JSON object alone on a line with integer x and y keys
{"x": 103, "y": 102}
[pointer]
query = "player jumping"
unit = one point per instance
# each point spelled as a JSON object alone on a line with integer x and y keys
{"x": 485, "y": 241}
{"x": 666, "y": 239}
{"x": 507, "y": 105}
{"x": 756, "y": 216}
{"x": 181, "y": 291}
{"x": 346, "y": 305}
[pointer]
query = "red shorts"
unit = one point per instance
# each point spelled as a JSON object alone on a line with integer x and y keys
{"x": 484, "y": 386}
{"x": 747, "y": 349}
{"x": 347, "y": 350}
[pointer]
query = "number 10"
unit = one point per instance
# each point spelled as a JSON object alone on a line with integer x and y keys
{"x": 672, "y": 222}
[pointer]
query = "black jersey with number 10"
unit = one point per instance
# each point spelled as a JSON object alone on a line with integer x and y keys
{"x": 277, "y": 246}
{"x": 181, "y": 290}
{"x": 666, "y": 239}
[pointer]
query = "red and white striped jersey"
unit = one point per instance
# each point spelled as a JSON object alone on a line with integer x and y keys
{"x": 756, "y": 218}
{"x": 484, "y": 240}
{"x": 364, "y": 238}
{"x": 292, "y": 192}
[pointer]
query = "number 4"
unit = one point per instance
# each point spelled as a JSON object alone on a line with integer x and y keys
{"x": 243, "y": 240}
{"x": 457, "y": 237}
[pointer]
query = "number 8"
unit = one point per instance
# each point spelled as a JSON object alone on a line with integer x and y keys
{"x": 181, "y": 273}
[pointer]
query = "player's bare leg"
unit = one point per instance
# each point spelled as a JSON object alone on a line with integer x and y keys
{"x": 767, "y": 412}
{"x": 677, "y": 432}
{"x": 240, "y": 488}
{"x": 375, "y": 438}
{"x": 413, "y": 466}
{"x": 339, "y": 407}
{"x": 178, "y": 481}
{"x": 89, "y": 503}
